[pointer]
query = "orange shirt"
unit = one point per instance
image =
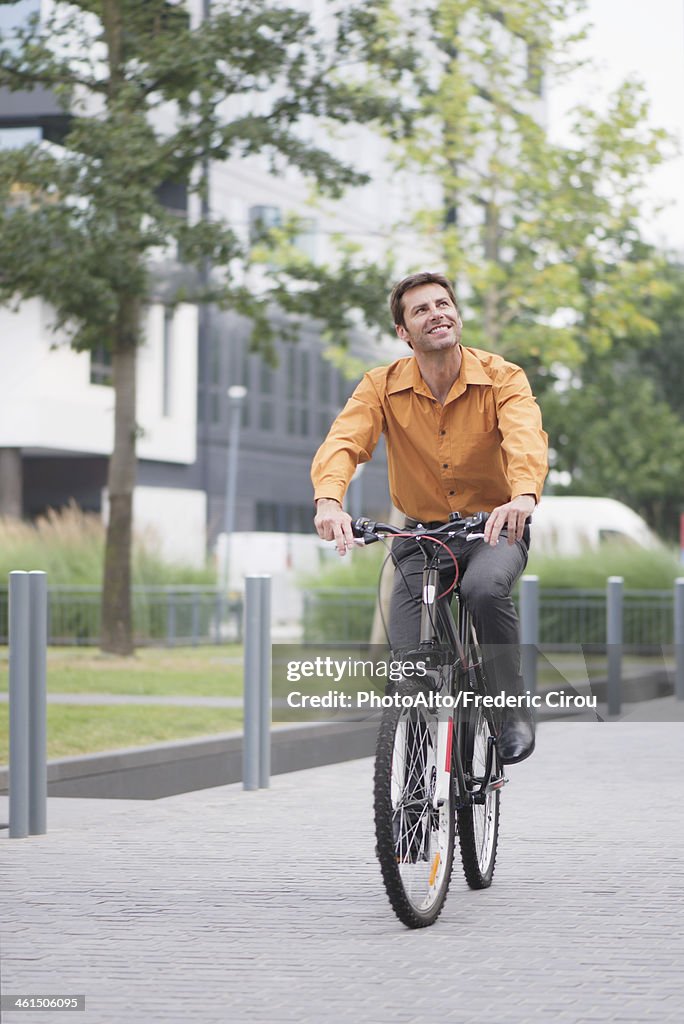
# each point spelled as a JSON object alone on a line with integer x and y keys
{"x": 484, "y": 446}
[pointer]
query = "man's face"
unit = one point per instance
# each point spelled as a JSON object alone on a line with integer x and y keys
{"x": 432, "y": 320}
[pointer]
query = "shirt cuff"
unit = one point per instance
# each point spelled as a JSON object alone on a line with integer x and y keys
{"x": 526, "y": 487}
{"x": 329, "y": 491}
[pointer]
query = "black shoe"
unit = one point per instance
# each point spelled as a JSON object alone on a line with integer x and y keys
{"x": 515, "y": 740}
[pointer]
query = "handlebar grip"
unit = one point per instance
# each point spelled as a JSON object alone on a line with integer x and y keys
{"x": 359, "y": 526}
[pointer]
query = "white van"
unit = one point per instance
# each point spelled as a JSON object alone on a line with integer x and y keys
{"x": 571, "y": 525}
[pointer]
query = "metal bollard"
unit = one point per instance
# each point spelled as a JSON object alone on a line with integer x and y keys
{"x": 529, "y": 631}
{"x": 614, "y": 640}
{"x": 28, "y": 704}
{"x": 38, "y": 704}
{"x": 19, "y": 644}
{"x": 679, "y": 637}
{"x": 265, "y": 687}
{"x": 256, "y": 757}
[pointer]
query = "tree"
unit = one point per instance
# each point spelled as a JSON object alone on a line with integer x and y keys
{"x": 663, "y": 361}
{"x": 147, "y": 92}
{"x": 617, "y": 426}
{"x": 540, "y": 237}
{"x": 543, "y": 240}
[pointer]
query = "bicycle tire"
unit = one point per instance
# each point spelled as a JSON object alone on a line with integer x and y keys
{"x": 478, "y": 824}
{"x": 415, "y": 842}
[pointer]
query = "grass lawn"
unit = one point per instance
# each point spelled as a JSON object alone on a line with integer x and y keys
{"x": 85, "y": 730}
{"x": 170, "y": 672}
{"x": 182, "y": 671}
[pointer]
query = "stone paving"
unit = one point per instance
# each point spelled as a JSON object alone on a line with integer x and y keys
{"x": 226, "y": 906}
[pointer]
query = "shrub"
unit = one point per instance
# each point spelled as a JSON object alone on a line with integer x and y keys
{"x": 69, "y": 545}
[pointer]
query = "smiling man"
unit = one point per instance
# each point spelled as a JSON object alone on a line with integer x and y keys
{"x": 463, "y": 434}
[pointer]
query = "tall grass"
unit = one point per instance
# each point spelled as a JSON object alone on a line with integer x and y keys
{"x": 641, "y": 569}
{"x": 69, "y": 545}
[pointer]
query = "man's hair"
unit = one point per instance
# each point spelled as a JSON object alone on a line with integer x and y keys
{"x": 413, "y": 281}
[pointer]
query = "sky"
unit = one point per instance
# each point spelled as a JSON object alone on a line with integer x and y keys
{"x": 642, "y": 39}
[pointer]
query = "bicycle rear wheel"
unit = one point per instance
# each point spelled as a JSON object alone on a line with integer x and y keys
{"x": 415, "y": 841}
{"x": 478, "y": 824}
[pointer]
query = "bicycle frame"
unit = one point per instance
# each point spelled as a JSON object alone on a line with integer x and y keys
{"x": 461, "y": 639}
{"x": 435, "y": 760}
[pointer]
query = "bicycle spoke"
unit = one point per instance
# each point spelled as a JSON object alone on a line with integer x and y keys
{"x": 422, "y": 836}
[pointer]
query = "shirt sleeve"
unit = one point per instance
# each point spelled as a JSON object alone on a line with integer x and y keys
{"x": 350, "y": 442}
{"x": 523, "y": 441}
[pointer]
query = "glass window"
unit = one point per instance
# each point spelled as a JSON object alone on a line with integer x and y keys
{"x": 101, "y": 365}
{"x": 306, "y": 238}
{"x": 265, "y": 379}
{"x": 324, "y": 369}
{"x": 304, "y": 374}
{"x": 215, "y": 406}
{"x": 261, "y": 220}
{"x": 15, "y": 138}
{"x": 291, "y": 372}
{"x": 215, "y": 359}
{"x": 266, "y": 416}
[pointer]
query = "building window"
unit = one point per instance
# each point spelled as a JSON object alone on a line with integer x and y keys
{"x": 298, "y": 391}
{"x": 306, "y": 239}
{"x": 214, "y": 372}
{"x": 278, "y": 517}
{"x": 101, "y": 365}
{"x": 263, "y": 219}
{"x": 15, "y": 138}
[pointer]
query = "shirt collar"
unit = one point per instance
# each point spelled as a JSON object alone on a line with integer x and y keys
{"x": 408, "y": 375}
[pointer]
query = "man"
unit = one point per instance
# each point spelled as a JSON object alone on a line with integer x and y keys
{"x": 463, "y": 434}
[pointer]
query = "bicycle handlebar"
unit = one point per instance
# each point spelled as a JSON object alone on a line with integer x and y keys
{"x": 371, "y": 531}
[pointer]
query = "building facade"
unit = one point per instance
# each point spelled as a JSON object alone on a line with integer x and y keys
{"x": 56, "y": 405}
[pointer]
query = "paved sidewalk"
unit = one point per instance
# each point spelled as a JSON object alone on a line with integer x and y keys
{"x": 225, "y": 906}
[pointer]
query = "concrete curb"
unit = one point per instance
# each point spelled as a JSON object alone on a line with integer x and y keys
{"x": 165, "y": 769}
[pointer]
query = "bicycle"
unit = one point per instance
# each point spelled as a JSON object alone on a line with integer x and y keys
{"x": 424, "y": 781}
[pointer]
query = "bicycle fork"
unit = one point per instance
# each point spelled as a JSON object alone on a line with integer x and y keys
{"x": 445, "y": 717}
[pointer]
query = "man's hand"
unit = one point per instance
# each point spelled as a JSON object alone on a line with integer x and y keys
{"x": 511, "y": 515}
{"x": 333, "y": 523}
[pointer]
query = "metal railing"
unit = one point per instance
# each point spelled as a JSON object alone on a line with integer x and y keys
{"x": 162, "y": 615}
{"x": 566, "y": 617}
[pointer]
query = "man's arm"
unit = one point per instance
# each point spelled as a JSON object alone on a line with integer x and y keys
{"x": 350, "y": 442}
{"x": 525, "y": 447}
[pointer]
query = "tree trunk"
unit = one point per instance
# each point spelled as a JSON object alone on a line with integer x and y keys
{"x": 117, "y": 624}
{"x": 10, "y": 482}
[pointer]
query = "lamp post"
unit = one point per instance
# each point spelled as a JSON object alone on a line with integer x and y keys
{"x": 236, "y": 397}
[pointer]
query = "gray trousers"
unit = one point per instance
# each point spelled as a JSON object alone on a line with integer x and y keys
{"x": 487, "y": 576}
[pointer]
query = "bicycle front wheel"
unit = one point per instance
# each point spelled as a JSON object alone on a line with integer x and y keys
{"x": 415, "y": 841}
{"x": 478, "y": 824}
